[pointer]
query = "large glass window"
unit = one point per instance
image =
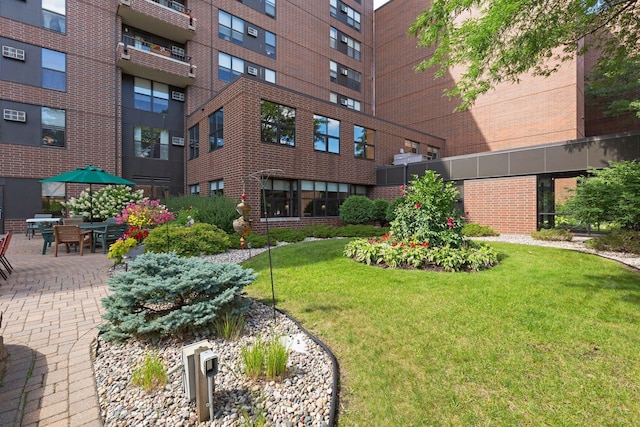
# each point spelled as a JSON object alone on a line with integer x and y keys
{"x": 53, "y": 127}
{"x": 326, "y": 134}
{"x": 281, "y": 197}
{"x": 216, "y": 130}
{"x": 150, "y": 96}
{"x": 216, "y": 188}
{"x": 320, "y": 199}
{"x": 364, "y": 143}
{"x": 151, "y": 143}
{"x": 229, "y": 67}
{"x": 270, "y": 44}
{"x": 54, "y": 70}
{"x": 278, "y": 123}
{"x": 54, "y": 15}
{"x": 194, "y": 142}
{"x": 230, "y": 28}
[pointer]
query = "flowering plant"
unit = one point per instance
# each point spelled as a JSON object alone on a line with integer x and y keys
{"x": 104, "y": 203}
{"x": 120, "y": 247}
{"x": 145, "y": 214}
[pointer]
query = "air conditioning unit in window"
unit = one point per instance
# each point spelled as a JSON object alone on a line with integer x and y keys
{"x": 13, "y": 53}
{"x": 344, "y": 39}
{"x": 252, "y": 70}
{"x": 344, "y": 71}
{"x": 14, "y": 115}
{"x": 252, "y": 32}
{"x": 177, "y": 140}
{"x": 344, "y": 8}
{"x": 344, "y": 102}
{"x": 177, "y": 96}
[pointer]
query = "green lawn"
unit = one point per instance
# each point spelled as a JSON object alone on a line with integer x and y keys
{"x": 548, "y": 337}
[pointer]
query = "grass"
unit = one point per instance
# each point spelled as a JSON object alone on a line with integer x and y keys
{"x": 151, "y": 373}
{"x": 548, "y": 337}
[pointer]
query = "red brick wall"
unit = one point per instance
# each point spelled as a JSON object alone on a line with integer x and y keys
{"x": 535, "y": 111}
{"x": 508, "y": 205}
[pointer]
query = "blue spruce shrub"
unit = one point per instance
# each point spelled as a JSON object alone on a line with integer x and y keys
{"x": 163, "y": 294}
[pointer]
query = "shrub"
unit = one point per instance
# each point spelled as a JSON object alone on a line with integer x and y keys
{"x": 216, "y": 210}
{"x": 386, "y": 252}
{"x": 380, "y": 207}
{"x": 104, "y": 203}
{"x": 361, "y": 230}
{"x": 477, "y": 230}
{"x": 357, "y": 210}
{"x": 286, "y": 235}
{"x": 427, "y": 212}
{"x": 200, "y": 239}
{"x": 162, "y": 295}
{"x": 253, "y": 240}
{"x": 320, "y": 231}
{"x": 144, "y": 214}
{"x": 553, "y": 234}
{"x": 391, "y": 209}
{"x": 617, "y": 241}
{"x": 151, "y": 373}
{"x": 120, "y": 247}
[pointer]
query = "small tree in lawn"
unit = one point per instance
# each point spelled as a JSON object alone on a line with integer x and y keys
{"x": 611, "y": 194}
{"x": 427, "y": 213}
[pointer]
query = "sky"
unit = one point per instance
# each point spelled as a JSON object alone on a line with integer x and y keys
{"x": 378, "y": 3}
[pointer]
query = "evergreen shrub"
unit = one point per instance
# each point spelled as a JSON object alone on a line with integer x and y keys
{"x": 253, "y": 240}
{"x": 163, "y": 295}
{"x": 357, "y": 210}
{"x": 320, "y": 231}
{"x": 553, "y": 234}
{"x": 199, "y": 239}
{"x": 477, "y": 230}
{"x": 616, "y": 241}
{"x": 380, "y": 207}
{"x": 391, "y": 209}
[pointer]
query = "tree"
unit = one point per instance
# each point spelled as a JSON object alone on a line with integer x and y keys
{"x": 497, "y": 41}
{"x": 611, "y": 194}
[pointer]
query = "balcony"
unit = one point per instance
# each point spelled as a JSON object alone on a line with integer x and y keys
{"x": 164, "y": 64}
{"x": 166, "y": 18}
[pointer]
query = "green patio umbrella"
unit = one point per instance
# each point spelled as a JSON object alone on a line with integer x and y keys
{"x": 89, "y": 175}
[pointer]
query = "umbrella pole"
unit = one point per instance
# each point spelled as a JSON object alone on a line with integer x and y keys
{"x": 90, "y": 205}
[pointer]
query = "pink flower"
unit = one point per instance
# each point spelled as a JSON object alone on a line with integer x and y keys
{"x": 418, "y": 205}
{"x": 450, "y": 222}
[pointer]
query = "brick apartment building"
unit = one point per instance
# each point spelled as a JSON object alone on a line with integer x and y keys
{"x": 317, "y": 98}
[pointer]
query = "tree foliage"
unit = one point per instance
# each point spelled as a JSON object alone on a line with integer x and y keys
{"x": 610, "y": 195}
{"x": 497, "y": 41}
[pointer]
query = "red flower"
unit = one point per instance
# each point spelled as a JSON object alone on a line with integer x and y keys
{"x": 450, "y": 222}
{"x": 418, "y": 205}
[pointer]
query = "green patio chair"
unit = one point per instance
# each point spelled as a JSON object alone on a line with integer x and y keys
{"x": 47, "y": 236}
{"x": 107, "y": 235}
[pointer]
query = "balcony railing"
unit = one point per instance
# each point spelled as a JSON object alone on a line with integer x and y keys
{"x": 173, "y": 52}
{"x": 167, "y": 18}
{"x": 174, "y": 5}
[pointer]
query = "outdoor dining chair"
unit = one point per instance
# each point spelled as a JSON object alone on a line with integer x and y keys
{"x": 71, "y": 235}
{"x": 47, "y": 236}
{"x": 4, "y": 245}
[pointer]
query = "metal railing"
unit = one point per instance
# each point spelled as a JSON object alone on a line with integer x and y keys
{"x": 168, "y": 51}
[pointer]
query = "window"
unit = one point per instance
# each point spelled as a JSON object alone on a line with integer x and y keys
{"x": 344, "y": 44}
{"x": 53, "y": 15}
{"x": 344, "y": 76}
{"x": 269, "y": 75}
{"x": 53, "y": 195}
{"x": 411, "y": 147}
{"x": 345, "y": 101}
{"x": 216, "y": 188}
{"x": 151, "y": 143}
{"x": 194, "y": 142}
{"x": 270, "y": 44}
{"x": 53, "y": 127}
{"x": 364, "y": 143}
{"x": 278, "y": 124}
{"x": 230, "y": 28}
{"x": 216, "y": 130}
{"x": 345, "y": 14}
{"x": 229, "y": 67}
{"x": 54, "y": 70}
{"x": 433, "y": 153}
{"x": 280, "y": 197}
{"x": 320, "y": 199}
{"x": 150, "y": 96}
{"x": 194, "y": 189}
{"x": 270, "y": 8}
{"x": 326, "y": 134}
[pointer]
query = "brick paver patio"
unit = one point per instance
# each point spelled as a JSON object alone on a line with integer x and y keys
{"x": 51, "y": 310}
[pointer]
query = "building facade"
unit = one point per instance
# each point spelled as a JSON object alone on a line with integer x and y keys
{"x": 298, "y": 104}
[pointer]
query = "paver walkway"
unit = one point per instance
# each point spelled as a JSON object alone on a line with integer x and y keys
{"x": 51, "y": 309}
